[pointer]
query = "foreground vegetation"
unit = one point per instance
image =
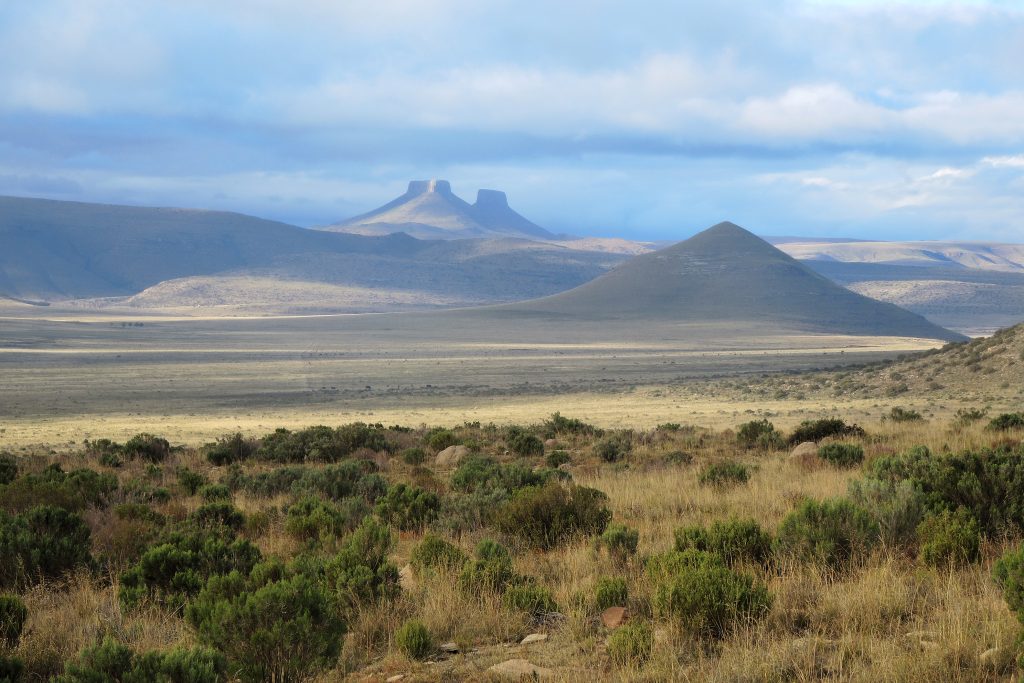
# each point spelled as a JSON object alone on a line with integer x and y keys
{"x": 890, "y": 551}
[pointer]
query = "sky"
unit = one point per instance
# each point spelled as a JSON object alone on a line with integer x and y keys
{"x": 644, "y": 119}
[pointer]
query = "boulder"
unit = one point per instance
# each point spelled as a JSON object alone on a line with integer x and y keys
{"x": 807, "y": 448}
{"x": 406, "y": 577}
{"x": 517, "y": 669}
{"x": 534, "y": 638}
{"x": 395, "y": 678}
{"x": 449, "y": 648}
{"x": 614, "y": 617}
{"x": 451, "y": 456}
{"x": 551, "y": 443}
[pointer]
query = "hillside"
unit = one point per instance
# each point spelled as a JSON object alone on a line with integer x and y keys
{"x": 728, "y": 274}
{"x": 976, "y": 255}
{"x": 430, "y": 210}
{"x": 54, "y": 249}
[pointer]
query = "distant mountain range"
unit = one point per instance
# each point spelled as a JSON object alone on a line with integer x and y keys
{"x": 430, "y": 210}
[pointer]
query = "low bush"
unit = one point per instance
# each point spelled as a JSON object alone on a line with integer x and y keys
{"x": 414, "y": 456}
{"x": 534, "y": 600}
{"x": 620, "y": 541}
{"x": 12, "y": 620}
{"x": 547, "y": 516}
{"x": 176, "y": 569}
{"x": 112, "y": 661}
{"x": 896, "y": 506}
{"x": 631, "y": 644}
{"x": 898, "y": 414}
{"x": 704, "y": 596}
{"x": 438, "y": 439}
{"x": 215, "y": 493}
{"x": 272, "y": 623}
{"x": 320, "y": 443}
{"x": 722, "y": 474}
{"x": 312, "y": 519}
{"x": 1007, "y": 421}
{"x": 190, "y": 482}
{"x": 230, "y": 449}
{"x": 613, "y": 448}
{"x": 734, "y": 540}
{"x": 1008, "y": 573}
{"x": 43, "y": 543}
{"x": 610, "y": 591}
{"x": 74, "y": 490}
{"x": 949, "y": 538}
{"x": 435, "y": 553}
{"x": 489, "y": 570}
{"x": 8, "y": 468}
{"x": 213, "y": 515}
{"x": 479, "y": 473}
{"x": 146, "y": 447}
{"x": 523, "y": 443}
{"x": 843, "y": 455}
{"x": 360, "y": 572}
{"x": 833, "y": 532}
{"x": 414, "y": 640}
{"x": 556, "y": 425}
{"x": 556, "y": 459}
{"x": 760, "y": 434}
{"x": 408, "y": 507}
{"x": 816, "y": 430}
{"x": 10, "y": 669}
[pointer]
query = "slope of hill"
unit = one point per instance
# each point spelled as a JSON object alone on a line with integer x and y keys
{"x": 55, "y": 249}
{"x": 728, "y": 274}
{"x": 976, "y": 255}
{"x": 430, "y": 210}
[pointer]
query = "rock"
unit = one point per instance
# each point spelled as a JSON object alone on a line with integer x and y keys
{"x": 516, "y": 669}
{"x": 451, "y": 648}
{"x": 451, "y": 455}
{"x": 997, "y": 659}
{"x": 395, "y": 678}
{"x": 805, "y": 449}
{"x": 534, "y": 638}
{"x": 614, "y": 617}
{"x": 406, "y": 577}
{"x": 551, "y": 443}
{"x": 661, "y": 636}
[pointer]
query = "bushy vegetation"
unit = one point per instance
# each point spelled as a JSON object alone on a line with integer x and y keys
{"x": 949, "y": 538}
{"x": 146, "y": 447}
{"x": 631, "y": 644}
{"x": 42, "y": 543}
{"x": 726, "y": 473}
{"x": 408, "y": 507}
{"x": 610, "y": 591}
{"x": 733, "y": 540}
{"x": 8, "y": 468}
{"x": 527, "y": 597}
{"x": 898, "y": 414}
{"x": 816, "y": 430}
{"x": 113, "y": 661}
{"x": 549, "y": 515}
{"x": 1007, "y": 421}
{"x": 489, "y": 570}
{"x": 435, "y": 553}
{"x": 231, "y": 449}
{"x": 620, "y": 541}
{"x": 12, "y": 620}
{"x": 760, "y": 434}
{"x": 74, "y": 490}
{"x": 842, "y": 454}
{"x": 414, "y": 640}
{"x": 320, "y": 443}
{"x": 833, "y": 532}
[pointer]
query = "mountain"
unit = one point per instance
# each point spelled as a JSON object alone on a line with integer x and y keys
{"x": 430, "y": 210}
{"x": 56, "y": 249}
{"x": 728, "y": 274}
{"x": 991, "y": 256}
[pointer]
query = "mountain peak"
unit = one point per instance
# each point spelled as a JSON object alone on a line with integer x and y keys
{"x": 491, "y": 198}
{"x": 417, "y": 187}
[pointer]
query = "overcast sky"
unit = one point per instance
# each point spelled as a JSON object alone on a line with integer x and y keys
{"x": 641, "y": 119}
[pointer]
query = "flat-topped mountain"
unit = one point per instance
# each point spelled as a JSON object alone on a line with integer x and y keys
{"x": 430, "y": 210}
{"x": 728, "y": 274}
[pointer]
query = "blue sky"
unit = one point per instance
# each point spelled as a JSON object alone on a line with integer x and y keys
{"x": 641, "y": 119}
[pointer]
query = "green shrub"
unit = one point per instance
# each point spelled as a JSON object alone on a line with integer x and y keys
{"x": 896, "y": 506}
{"x": 703, "y": 595}
{"x": 1007, "y": 421}
{"x": 490, "y": 570}
{"x": 722, "y": 474}
{"x": 316, "y": 520}
{"x": 414, "y": 640}
{"x": 140, "y": 491}
{"x": 898, "y": 414}
{"x": 524, "y": 444}
{"x": 414, "y": 456}
{"x": 949, "y": 538}
{"x": 966, "y": 416}
{"x": 734, "y": 540}
{"x": 631, "y": 644}
{"x": 530, "y": 598}
{"x": 43, "y": 543}
{"x": 408, "y": 507}
{"x": 438, "y": 439}
{"x": 214, "y": 515}
{"x": 230, "y": 449}
{"x": 556, "y": 459}
{"x": 557, "y": 424}
{"x": 760, "y": 434}
{"x": 1008, "y": 573}
{"x": 190, "y": 482}
{"x": 832, "y": 532}
{"x": 478, "y": 473}
{"x": 112, "y": 460}
{"x": 678, "y": 458}
{"x": 843, "y": 455}
{"x": 610, "y": 591}
{"x": 10, "y": 669}
{"x": 433, "y": 553}
{"x": 175, "y": 570}
{"x": 112, "y": 661}
{"x": 816, "y": 430}
{"x": 272, "y": 623}
{"x": 12, "y": 620}
{"x": 8, "y": 468}
{"x": 620, "y": 541}
{"x": 614, "y": 448}
{"x": 147, "y": 447}
{"x": 988, "y": 483}
{"x": 360, "y": 573}
{"x": 215, "y": 493}
{"x": 547, "y": 516}
{"x": 320, "y": 443}
{"x": 74, "y": 490}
